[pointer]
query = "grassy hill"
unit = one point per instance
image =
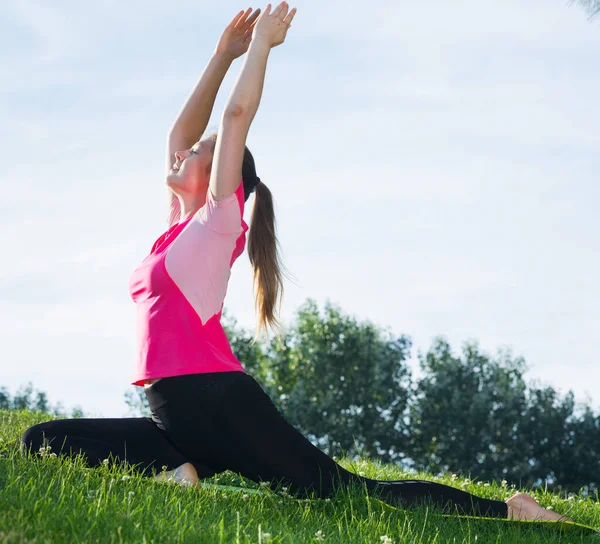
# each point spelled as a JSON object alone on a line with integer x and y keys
{"x": 60, "y": 501}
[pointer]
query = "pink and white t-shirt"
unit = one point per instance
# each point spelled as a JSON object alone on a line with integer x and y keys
{"x": 180, "y": 288}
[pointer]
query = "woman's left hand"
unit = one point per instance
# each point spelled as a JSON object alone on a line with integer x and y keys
{"x": 236, "y": 38}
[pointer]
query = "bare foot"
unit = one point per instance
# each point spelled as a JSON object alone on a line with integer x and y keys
{"x": 522, "y": 506}
{"x": 185, "y": 475}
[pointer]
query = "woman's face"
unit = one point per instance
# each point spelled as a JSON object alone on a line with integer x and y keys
{"x": 191, "y": 171}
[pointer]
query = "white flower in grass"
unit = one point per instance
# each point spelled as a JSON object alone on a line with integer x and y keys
{"x": 105, "y": 462}
{"x": 386, "y": 539}
{"x": 126, "y": 477}
{"x": 266, "y": 537}
{"x": 52, "y": 455}
{"x": 486, "y": 484}
{"x": 464, "y": 485}
{"x": 453, "y": 477}
{"x": 327, "y": 500}
{"x": 319, "y": 536}
{"x": 504, "y": 483}
{"x": 130, "y": 495}
{"x": 265, "y": 484}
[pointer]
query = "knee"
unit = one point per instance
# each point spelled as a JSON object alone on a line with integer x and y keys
{"x": 37, "y": 436}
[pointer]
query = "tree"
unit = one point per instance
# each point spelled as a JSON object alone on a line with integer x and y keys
{"x": 27, "y": 399}
{"x": 343, "y": 384}
{"x": 475, "y": 415}
{"x": 465, "y": 412}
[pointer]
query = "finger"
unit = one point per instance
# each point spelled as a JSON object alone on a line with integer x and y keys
{"x": 278, "y": 9}
{"x": 242, "y": 20}
{"x": 284, "y": 12}
{"x": 267, "y": 10}
{"x": 253, "y": 18}
{"x": 290, "y": 17}
{"x": 236, "y": 19}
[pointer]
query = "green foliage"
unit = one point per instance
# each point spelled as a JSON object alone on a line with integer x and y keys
{"x": 342, "y": 383}
{"x": 475, "y": 415}
{"x": 27, "y": 399}
{"x": 137, "y": 402}
{"x": 465, "y": 410}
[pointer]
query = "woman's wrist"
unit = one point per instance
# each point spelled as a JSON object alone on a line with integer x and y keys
{"x": 261, "y": 43}
{"x": 223, "y": 57}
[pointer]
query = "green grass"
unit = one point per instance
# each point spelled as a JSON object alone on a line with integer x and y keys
{"x": 61, "y": 501}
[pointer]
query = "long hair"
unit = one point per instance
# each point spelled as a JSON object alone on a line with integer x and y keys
{"x": 262, "y": 250}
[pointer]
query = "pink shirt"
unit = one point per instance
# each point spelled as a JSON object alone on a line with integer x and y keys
{"x": 180, "y": 288}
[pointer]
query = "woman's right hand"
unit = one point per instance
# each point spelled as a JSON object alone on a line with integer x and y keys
{"x": 273, "y": 27}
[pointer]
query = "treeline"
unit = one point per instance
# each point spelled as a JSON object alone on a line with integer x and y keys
{"x": 348, "y": 387}
{"x": 28, "y": 399}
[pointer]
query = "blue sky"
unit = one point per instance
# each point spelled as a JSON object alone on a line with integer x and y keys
{"x": 434, "y": 165}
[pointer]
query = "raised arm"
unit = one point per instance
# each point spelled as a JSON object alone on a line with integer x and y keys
{"x": 269, "y": 31}
{"x": 193, "y": 118}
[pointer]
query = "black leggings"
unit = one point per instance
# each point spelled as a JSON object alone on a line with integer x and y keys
{"x": 225, "y": 421}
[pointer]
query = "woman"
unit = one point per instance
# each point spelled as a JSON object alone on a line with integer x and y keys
{"x": 208, "y": 414}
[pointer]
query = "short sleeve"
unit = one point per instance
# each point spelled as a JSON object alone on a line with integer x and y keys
{"x": 225, "y": 216}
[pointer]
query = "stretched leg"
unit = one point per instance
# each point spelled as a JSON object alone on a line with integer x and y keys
{"x": 257, "y": 442}
{"x": 136, "y": 440}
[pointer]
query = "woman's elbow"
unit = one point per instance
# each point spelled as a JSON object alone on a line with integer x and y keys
{"x": 236, "y": 110}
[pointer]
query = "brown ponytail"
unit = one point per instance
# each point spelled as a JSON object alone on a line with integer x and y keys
{"x": 264, "y": 258}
